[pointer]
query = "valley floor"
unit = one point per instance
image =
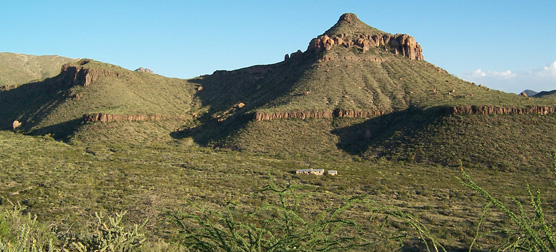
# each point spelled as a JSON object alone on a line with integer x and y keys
{"x": 65, "y": 185}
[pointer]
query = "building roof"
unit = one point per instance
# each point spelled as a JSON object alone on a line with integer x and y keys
{"x": 310, "y": 170}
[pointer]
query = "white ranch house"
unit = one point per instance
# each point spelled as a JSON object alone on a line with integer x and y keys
{"x": 316, "y": 171}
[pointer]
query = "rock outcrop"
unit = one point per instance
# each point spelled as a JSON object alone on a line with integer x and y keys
{"x": 496, "y": 110}
{"x": 104, "y": 117}
{"x": 294, "y": 55}
{"x": 355, "y": 113}
{"x": 397, "y": 44}
{"x": 72, "y": 75}
{"x": 144, "y": 70}
{"x": 260, "y": 116}
{"x": 345, "y": 113}
{"x": 16, "y": 124}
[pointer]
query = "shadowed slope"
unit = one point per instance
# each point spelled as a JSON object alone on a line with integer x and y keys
{"x": 57, "y": 105}
{"x": 507, "y": 141}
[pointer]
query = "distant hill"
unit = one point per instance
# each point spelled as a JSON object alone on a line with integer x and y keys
{"x": 17, "y": 69}
{"x": 529, "y": 92}
{"x": 546, "y": 94}
{"x": 106, "y": 92}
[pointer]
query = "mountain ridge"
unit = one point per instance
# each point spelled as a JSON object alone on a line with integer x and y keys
{"x": 323, "y": 100}
{"x": 355, "y": 90}
{"x": 57, "y": 105}
{"x": 546, "y": 94}
{"x": 17, "y": 69}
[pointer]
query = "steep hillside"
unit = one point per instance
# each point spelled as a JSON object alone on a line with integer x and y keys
{"x": 357, "y": 90}
{"x": 351, "y": 67}
{"x": 17, "y": 69}
{"x": 104, "y": 92}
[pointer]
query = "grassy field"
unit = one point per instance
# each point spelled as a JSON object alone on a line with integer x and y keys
{"x": 65, "y": 185}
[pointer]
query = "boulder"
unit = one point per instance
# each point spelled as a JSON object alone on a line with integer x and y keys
{"x": 16, "y": 124}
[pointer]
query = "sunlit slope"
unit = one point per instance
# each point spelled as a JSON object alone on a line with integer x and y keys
{"x": 17, "y": 69}
{"x": 360, "y": 91}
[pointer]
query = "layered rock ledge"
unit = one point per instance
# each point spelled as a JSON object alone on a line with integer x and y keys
{"x": 354, "y": 113}
{"x": 497, "y": 110}
{"x": 104, "y": 117}
{"x": 337, "y": 113}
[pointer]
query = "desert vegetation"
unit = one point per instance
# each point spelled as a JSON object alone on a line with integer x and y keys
{"x": 180, "y": 196}
{"x": 17, "y": 69}
{"x": 96, "y": 157}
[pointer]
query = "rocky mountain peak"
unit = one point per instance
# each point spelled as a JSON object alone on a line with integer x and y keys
{"x": 349, "y": 18}
{"x": 350, "y": 32}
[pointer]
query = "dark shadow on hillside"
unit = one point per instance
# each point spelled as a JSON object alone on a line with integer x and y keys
{"x": 253, "y": 87}
{"x": 62, "y": 131}
{"x": 33, "y": 102}
{"x": 28, "y": 103}
{"x": 506, "y": 142}
{"x": 213, "y": 132}
{"x": 382, "y": 134}
{"x": 546, "y": 94}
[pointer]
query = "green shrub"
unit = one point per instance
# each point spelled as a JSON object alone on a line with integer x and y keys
{"x": 282, "y": 225}
{"x": 529, "y": 230}
{"x": 21, "y": 232}
{"x": 111, "y": 235}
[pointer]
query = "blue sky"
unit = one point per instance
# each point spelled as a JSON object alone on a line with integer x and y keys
{"x": 506, "y": 45}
